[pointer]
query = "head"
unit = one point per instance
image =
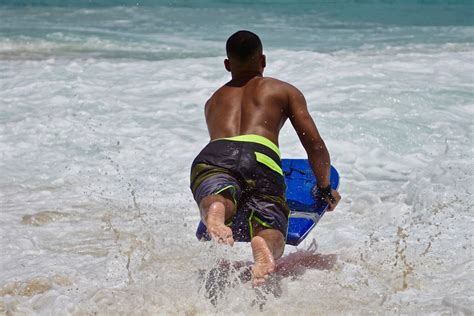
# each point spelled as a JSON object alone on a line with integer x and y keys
{"x": 244, "y": 53}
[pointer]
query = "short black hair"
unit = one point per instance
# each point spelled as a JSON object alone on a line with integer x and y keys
{"x": 243, "y": 45}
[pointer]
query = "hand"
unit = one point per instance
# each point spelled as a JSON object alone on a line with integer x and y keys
{"x": 332, "y": 200}
{"x": 329, "y": 195}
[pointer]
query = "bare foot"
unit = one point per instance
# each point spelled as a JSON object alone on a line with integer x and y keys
{"x": 215, "y": 224}
{"x": 264, "y": 263}
{"x": 221, "y": 233}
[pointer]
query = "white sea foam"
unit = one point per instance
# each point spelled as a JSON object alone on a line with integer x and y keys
{"x": 97, "y": 215}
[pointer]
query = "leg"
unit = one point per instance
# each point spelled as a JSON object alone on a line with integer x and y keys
{"x": 215, "y": 211}
{"x": 267, "y": 246}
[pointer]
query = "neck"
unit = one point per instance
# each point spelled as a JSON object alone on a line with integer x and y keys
{"x": 245, "y": 75}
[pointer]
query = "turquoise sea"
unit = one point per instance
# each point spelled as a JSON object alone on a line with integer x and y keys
{"x": 101, "y": 114}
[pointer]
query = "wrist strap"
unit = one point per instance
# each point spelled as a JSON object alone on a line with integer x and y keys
{"x": 326, "y": 193}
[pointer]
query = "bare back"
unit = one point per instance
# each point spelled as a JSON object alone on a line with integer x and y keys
{"x": 259, "y": 106}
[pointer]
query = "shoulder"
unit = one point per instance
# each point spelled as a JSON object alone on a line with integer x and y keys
{"x": 277, "y": 83}
{"x": 274, "y": 81}
{"x": 283, "y": 87}
{"x": 215, "y": 95}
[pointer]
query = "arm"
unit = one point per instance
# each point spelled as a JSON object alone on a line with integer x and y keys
{"x": 206, "y": 116}
{"x": 318, "y": 155}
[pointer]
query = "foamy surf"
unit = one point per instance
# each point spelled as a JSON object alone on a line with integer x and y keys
{"x": 95, "y": 148}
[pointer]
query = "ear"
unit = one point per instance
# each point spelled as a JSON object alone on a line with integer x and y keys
{"x": 263, "y": 61}
{"x": 227, "y": 64}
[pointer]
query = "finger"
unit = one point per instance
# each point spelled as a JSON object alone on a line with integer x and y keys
{"x": 330, "y": 205}
{"x": 333, "y": 204}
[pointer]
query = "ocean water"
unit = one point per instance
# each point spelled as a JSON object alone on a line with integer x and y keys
{"x": 101, "y": 115}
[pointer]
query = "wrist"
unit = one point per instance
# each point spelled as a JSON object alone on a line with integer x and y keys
{"x": 325, "y": 190}
{"x": 325, "y": 193}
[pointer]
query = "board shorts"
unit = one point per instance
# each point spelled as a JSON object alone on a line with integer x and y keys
{"x": 248, "y": 167}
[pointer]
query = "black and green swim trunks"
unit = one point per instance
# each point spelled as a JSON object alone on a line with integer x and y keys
{"x": 249, "y": 168}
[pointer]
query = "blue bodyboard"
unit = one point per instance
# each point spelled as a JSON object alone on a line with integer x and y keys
{"x": 306, "y": 210}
